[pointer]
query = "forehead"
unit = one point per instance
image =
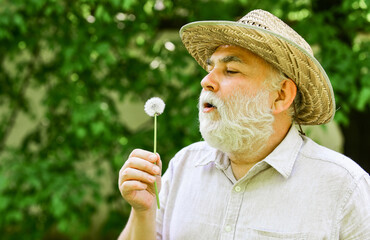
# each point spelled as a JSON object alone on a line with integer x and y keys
{"x": 228, "y": 53}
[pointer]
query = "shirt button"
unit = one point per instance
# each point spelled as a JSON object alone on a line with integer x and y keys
{"x": 228, "y": 228}
{"x": 237, "y": 189}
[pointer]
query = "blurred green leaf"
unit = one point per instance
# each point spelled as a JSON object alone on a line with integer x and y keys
{"x": 84, "y": 60}
{"x": 364, "y": 99}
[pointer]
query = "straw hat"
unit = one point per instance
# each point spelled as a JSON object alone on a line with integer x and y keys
{"x": 267, "y": 36}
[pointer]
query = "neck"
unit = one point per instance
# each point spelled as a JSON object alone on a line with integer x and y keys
{"x": 242, "y": 162}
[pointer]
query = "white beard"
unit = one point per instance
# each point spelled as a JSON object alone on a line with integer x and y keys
{"x": 240, "y": 124}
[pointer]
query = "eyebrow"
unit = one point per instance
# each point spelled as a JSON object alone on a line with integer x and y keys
{"x": 226, "y": 59}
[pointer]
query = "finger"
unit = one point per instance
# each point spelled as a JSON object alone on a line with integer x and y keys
{"x": 140, "y": 153}
{"x": 159, "y": 161}
{"x": 142, "y": 165}
{"x": 130, "y": 186}
{"x": 137, "y": 175}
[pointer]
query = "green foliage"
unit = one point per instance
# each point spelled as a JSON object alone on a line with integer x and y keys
{"x": 82, "y": 53}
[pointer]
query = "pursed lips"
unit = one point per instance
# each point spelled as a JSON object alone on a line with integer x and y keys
{"x": 208, "y": 107}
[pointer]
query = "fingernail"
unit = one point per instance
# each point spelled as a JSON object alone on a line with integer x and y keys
{"x": 153, "y": 157}
{"x": 156, "y": 169}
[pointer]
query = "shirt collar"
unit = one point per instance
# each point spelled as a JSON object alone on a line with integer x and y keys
{"x": 219, "y": 158}
{"x": 282, "y": 158}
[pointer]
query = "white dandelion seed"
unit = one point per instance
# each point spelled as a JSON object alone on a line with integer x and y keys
{"x": 154, "y": 106}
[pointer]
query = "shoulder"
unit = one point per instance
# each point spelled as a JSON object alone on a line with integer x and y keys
{"x": 339, "y": 180}
{"x": 195, "y": 148}
{"x": 184, "y": 163}
{"x": 330, "y": 161}
{"x": 194, "y": 152}
{"x": 196, "y": 155}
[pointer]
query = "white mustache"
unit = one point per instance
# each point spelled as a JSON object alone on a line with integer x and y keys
{"x": 211, "y": 98}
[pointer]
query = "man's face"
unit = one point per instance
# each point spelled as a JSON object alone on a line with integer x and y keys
{"x": 233, "y": 68}
{"x": 234, "y": 107}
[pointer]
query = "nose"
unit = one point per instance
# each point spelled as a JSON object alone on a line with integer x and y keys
{"x": 210, "y": 82}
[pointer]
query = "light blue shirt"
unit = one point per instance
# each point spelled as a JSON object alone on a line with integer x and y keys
{"x": 300, "y": 191}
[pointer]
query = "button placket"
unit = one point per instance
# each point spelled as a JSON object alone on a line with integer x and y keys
{"x": 233, "y": 208}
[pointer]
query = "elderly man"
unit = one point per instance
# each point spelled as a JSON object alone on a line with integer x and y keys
{"x": 255, "y": 176}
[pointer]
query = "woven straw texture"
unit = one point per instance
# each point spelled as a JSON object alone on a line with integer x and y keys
{"x": 267, "y": 36}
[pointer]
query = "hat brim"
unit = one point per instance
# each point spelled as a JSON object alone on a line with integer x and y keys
{"x": 202, "y": 38}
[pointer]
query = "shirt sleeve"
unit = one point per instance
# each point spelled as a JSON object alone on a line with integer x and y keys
{"x": 355, "y": 223}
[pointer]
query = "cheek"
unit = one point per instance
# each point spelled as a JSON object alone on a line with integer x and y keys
{"x": 228, "y": 89}
{"x": 230, "y": 86}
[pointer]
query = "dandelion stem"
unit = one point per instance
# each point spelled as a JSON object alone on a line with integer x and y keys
{"x": 155, "y": 133}
{"x": 155, "y": 151}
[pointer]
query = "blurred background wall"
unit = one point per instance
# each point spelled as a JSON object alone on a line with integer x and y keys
{"x": 74, "y": 76}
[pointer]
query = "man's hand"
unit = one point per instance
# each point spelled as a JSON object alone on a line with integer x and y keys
{"x": 137, "y": 177}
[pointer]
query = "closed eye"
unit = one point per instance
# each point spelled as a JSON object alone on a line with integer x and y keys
{"x": 231, "y": 72}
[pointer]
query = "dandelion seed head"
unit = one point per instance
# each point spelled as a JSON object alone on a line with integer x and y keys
{"x": 154, "y": 106}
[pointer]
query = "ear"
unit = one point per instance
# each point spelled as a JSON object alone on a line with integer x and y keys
{"x": 284, "y": 97}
